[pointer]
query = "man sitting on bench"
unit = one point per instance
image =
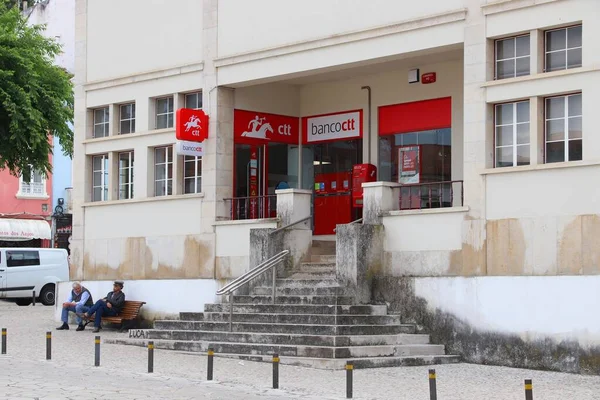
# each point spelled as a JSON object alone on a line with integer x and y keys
{"x": 109, "y": 306}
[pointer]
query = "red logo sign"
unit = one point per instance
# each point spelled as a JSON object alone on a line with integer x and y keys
{"x": 192, "y": 125}
{"x": 256, "y": 128}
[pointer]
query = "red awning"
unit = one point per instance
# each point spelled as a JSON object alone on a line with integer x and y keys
{"x": 24, "y": 229}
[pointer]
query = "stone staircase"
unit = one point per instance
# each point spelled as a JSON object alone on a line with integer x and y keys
{"x": 313, "y": 323}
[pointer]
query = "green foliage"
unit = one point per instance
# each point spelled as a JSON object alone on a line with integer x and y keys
{"x": 36, "y": 96}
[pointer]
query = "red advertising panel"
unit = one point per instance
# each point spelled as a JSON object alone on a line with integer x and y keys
{"x": 346, "y": 125}
{"x": 255, "y": 128}
{"x": 191, "y": 125}
{"x": 361, "y": 173}
{"x": 254, "y": 182}
{"x": 414, "y": 117}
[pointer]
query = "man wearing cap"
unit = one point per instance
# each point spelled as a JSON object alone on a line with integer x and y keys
{"x": 79, "y": 301}
{"x": 109, "y": 306}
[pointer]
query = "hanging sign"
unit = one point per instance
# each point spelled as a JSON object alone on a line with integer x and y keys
{"x": 409, "y": 165}
{"x": 191, "y": 125}
{"x": 185, "y": 148}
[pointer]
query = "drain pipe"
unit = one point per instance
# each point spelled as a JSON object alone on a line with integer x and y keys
{"x": 368, "y": 88}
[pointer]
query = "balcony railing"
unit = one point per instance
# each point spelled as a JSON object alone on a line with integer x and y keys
{"x": 257, "y": 207}
{"x": 33, "y": 189}
{"x": 431, "y": 195}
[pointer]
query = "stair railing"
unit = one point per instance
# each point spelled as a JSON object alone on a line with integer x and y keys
{"x": 237, "y": 283}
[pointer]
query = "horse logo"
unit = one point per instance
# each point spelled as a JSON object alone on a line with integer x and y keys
{"x": 194, "y": 122}
{"x": 259, "y": 129}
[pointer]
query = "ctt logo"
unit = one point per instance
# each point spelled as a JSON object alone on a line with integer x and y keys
{"x": 258, "y": 128}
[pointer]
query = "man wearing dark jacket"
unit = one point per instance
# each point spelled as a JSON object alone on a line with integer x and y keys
{"x": 109, "y": 306}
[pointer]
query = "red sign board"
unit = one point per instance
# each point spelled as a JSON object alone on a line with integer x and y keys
{"x": 255, "y": 128}
{"x": 417, "y": 116}
{"x": 191, "y": 125}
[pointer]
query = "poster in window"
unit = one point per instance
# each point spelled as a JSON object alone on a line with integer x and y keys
{"x": 409, "y": 165}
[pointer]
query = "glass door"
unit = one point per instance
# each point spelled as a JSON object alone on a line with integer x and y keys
{"x": 249, "y": 186}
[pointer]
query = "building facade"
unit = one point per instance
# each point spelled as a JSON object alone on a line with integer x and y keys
{"x": 476, "y": 115}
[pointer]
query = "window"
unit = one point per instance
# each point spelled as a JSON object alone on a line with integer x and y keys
{"x": 192, "y": 174}
{"x": 32, "y": 183}
{"x": 563, "y": 48}
{"x": 564, "y": 140}
{"x": 512, "y": 57}
{"x": 193, "y": 100}
{"x": 101, "y": 122}
{"x": 100, "y": 178}
{"x": 512, "y": 134}
{"x": 163, "y": 171}
{"x": 22, "y": 258}
{"x": 164, "y": 113}
{"x": 126, "y": 175}
{"x": 127, "y": 118}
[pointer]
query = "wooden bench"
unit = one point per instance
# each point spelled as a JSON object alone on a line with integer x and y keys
{"x": 129, "y": 314}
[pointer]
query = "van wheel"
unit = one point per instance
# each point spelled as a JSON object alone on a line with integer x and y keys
{"x": 23, "y": 302}
{"x": 47, "y": 295}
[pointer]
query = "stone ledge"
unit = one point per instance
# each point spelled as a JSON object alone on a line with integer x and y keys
{"x": 428, "y": 211}
{"x": 509, "y": 5}
{"x": 128, "y": 135}
{"x": 144, "y": 200}
{"x": 539, "y": 167}
{"x": 540, "y": 76}
{"x": 247, "y": 222}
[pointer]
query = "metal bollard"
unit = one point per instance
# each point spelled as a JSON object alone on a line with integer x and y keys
{"x": 275, "y": 371}
{"x": 432, "y": 385}
{"x": 48, "y": 345}
{"x": 33, "y": 298}
{"x": 349, "y": 369}
{"x": 528, "y": 389}
{"x": 97, "y": 351}
{"x": 3, "y": 340}
{"x": 209, "y": 373}
{"x": 150, "y": 357}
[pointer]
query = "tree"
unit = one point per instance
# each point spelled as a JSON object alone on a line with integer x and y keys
{"x": 36, "y": 96}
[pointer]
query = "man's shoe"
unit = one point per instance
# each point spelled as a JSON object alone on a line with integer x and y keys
{"x": 80, "y": 327}
{"x": 63, "y": 327}
{"x": 97, "y": 329}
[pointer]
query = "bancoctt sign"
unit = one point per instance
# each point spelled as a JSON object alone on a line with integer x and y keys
{"x": 346, "y": 125}
{"x": 190, "y": 148}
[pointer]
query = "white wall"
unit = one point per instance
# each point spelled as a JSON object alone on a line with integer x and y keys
{"x": 164, "y": 298}
{"x": 129, "y": 37}
{"x": 246, "y": 26}
{"x": 527, "y": 306}
{"x": 277, "y": 98}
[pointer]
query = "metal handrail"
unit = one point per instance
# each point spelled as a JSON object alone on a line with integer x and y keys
{"x": 290, "y": 225}
{"x": 356, "y": 221}
{"x": 263, "y": 267}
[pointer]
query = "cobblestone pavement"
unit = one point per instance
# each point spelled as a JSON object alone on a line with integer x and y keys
{"x": 122, "y": 374}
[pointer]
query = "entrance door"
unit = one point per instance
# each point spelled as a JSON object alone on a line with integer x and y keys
{"x": 249, "y": 187}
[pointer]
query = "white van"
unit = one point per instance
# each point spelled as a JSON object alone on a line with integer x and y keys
{"x": 24, "y": 270}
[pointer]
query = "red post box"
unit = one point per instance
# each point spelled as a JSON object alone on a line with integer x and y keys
{"x": 361, "y": 173}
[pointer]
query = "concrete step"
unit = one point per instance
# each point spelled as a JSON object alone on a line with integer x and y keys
{"x": 311, "y": 282}
{"x": 297, "y": 309}
{"x": 323, "y": 247}
{"x": 354, "y": 352}
{"x": 311, "y": 319}
{"x": 318, "y": 299}
{"x": 317, "y": 268}
{"x": 306, "y": 329}
{"x": 302, "y": 291}
{"x": 323, "y": 258}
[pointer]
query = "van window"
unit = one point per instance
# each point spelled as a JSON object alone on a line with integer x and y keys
{"x": 22, "y": 258}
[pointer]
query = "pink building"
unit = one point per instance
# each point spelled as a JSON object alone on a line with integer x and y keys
{"x": 25, "y": 209}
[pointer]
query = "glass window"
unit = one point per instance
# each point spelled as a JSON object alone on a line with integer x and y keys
{"x": 32, "y": 182}
{"x": 100, "y": 178}
{"x": 127, "y": 118}
{"x": 163, "y": 171}
{"x": 101, "y": 122}
{"x": 512, "y": 57}
{"x": 22, "y": 258}
{"x": 193, "y": 100}
{"x": 126, "y": 175}
{"x": 164, "y": 113}
{"x": 564, "y": 137}
{"x": 192, "y": 174}
{"x": 512, "y": 134}
{"x": 563, "y": 48}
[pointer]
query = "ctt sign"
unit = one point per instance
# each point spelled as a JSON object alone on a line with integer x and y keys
{"x": 340, "y": 126}
{"x": 190, "y": 148}
{"x": 192, "y": 125}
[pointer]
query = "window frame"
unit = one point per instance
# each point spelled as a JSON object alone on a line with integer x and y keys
{"x": 198, "y": 100}
{"x": 169, "y": 161}
{"x": 566, "y": 117}
{"x": 130, "y": 120}
{"x": 31, "y": 193}
{"x": 496, "y": 60}
{"x": 170, "y": 112}
{"x": 105, "y": 123}
{"x": 197, "y": 161}
{"x": 104, "y": 178}
{"x": 515, "y": 124}
{"x": 566, "y": 49}
{"x": 129, "y": 188}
